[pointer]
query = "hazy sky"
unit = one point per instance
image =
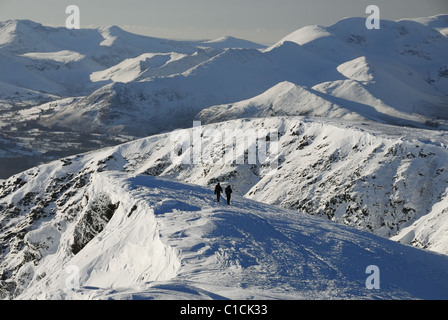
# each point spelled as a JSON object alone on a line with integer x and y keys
{"x": 264, "y": 21}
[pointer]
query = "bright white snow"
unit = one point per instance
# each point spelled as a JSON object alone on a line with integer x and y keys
{"x": 128, "y": 222}
{"x": 64, "y": 56}
{"x": 179, "y": 244}
{"x": 170, "y": 240}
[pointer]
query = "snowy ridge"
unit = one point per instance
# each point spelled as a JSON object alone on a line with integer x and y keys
{"x": 151, "y": 65}
{"x": 99, "y": 210}
{"x": 230, "y": 42}
{"x": 288, "y": 99}
{"x": 168, "y": 240}
{"x": 121, "y": 244}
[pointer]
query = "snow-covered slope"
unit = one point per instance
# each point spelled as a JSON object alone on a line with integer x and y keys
{"x": 285, "y": 99}
{"x": 152, "y": 65}
{"x": 288, "y": 99}
{"x": 430, "y": 230}
{"x": 119, "y": 218}
{"x": 373, "y": 177}
{"x": 84, "y": 228}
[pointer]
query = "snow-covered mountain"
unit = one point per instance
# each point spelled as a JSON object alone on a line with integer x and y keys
{"x": 166, "y": 103}
{"x": 393, "y": 75}
{"x": 118, "y": 223}
{"x": 61, "y": 62}
{"x": 42, "y": 68}
{"x": 353, "y": 122}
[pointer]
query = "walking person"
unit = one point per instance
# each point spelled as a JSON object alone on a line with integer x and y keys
{"x": 228, "y": 193}
{"x": 218, "y": 190}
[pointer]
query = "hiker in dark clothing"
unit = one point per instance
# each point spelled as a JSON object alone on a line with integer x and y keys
{"x": 228, "y": 193}
{"x": 218, "y": 190}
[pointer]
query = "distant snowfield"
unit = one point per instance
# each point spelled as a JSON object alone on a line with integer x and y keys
{"x": 64, "y": 56}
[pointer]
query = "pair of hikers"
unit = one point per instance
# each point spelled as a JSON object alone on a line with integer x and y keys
{"x": 218, "y": 190}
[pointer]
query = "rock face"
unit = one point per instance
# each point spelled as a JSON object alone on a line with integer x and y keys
{"x": 98, "y": 214}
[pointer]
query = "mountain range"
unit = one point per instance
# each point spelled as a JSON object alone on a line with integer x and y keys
{"x": 110, "y": 82}
{"x": 99, "y": 145}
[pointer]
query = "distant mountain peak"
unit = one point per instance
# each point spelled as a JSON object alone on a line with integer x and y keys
{"x": 233, "y": 42}
{"x": 19, "y": 23}
{"x": 10, "y": 29}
